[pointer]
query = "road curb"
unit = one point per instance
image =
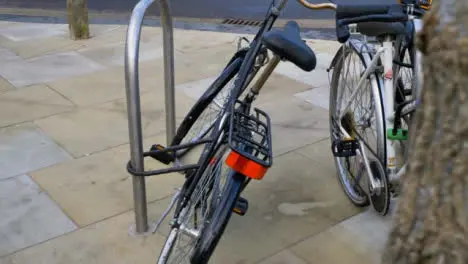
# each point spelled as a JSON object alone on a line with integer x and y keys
{"x": 31, "y": 12}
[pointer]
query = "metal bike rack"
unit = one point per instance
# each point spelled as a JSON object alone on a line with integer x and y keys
{"x": 133, "y": 98}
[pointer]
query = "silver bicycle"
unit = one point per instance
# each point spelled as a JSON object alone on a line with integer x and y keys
{"x": 373, "y": 95}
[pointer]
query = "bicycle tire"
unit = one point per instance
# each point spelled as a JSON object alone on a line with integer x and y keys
{"x": 221, "y": 217}
{"x": 217, "y": 218}
{"x": 203, "y": 104}
{"x": 354, "y": 47}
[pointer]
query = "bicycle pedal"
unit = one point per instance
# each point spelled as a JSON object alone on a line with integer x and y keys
{"x": 407, "y": 92}
{"x": 345, "y": 148}
{"x": 395, "y": 190}
{"x": 399, "y": 134}
{"x": 163, "y": 156}
{"x": 241, "y": 207}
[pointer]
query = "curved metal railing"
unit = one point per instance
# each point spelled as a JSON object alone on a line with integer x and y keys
{"x": 133, "y": 98}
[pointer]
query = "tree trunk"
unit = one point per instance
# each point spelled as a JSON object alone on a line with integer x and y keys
{"x": 430, "y": 225}
{"x": 78, "y": 19}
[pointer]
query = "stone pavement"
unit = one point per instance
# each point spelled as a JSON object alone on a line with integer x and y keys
{"x": 65, "y": 196}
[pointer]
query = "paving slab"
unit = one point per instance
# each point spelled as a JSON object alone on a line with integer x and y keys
{"x": 27, "y": 215}
{"x": 332, "y": 246}
{"x": 302, "y": 187}
{"x": 153, "y": 110}
{"x": 38, "y": 47}
{"x": 295, "y": 123}
{"x": 277, "y": 87}
{"x": 25, "y": 148}
{"x": 280, "y": 87}
{"x": 31, "y": 31}
{"x": 319, "y": 152}
{"x": 319, "y": 96}
{"x": 7, "y": 56}
{"x": 109, "y": 85}
{"x": 373, "y": 228}
{"x": 30, "y": 103}
{"x": 9, "y": 24}
{"x": 106, "y": 242}
{"x": 283, "y": 257}
{"x": 324, "y": 46}
{"x": 86, "y": 131}
{"x": 103, "y": 126}
{"x": 98, "y": 186}
{"x": 101, "y": 35}
{"x": 196, "y": 89}
{"x": 316, "y": 78}
{"x": 114, "y": 54}
{"x": 193, "y": 66}
{"x": 152, "y": 105}
{"x": 211, "y": 59}
{"x": 47, "y": 68}
{"x": 359, "y": 239}
{"x": 191, "y": 40}
{"x": 5, "y": 86}
{"x": 94, "y": 88}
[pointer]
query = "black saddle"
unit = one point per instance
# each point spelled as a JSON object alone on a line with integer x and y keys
{"x": 372, "y": 20}
{"x": 287, "y": 44}
{"x": 377, "y": 29}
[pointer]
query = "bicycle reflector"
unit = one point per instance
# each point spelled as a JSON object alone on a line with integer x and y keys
{"x": 247, "y": 167}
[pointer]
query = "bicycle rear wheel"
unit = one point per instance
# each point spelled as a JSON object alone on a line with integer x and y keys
{"x": 200, "y": 119}
{"x": 363, "y": 120}
{"x": 202, "y": 221}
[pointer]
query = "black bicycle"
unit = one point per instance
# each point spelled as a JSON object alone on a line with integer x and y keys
{"x": 236, "y": 139}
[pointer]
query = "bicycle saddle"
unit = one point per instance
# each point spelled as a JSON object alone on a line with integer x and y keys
{"x": 287, "y": 44}
{"x": 377, "y": 29}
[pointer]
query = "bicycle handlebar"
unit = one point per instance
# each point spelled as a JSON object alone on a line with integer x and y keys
{"x": 364, "y": 13}
{"x": 317, "y": 6}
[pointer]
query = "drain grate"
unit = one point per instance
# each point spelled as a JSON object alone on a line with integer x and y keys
{"x": 242, "y": 22}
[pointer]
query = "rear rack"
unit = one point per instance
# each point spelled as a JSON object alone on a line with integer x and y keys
{"x": 169, "y": 151}
{"x": 250, "y": 135}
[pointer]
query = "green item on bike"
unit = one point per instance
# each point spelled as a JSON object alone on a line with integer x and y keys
{"x": 401, "y": 134}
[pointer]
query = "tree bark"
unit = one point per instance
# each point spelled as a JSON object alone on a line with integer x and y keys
{"x": 78, "y": 19}
{"x": 430, "y": 225}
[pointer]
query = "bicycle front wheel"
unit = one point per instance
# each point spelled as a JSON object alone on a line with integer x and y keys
{"x": 202, "y": 221}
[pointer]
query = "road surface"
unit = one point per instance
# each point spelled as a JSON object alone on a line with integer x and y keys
{"x": 209, "y": 9}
